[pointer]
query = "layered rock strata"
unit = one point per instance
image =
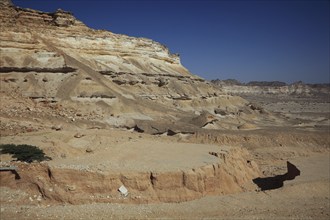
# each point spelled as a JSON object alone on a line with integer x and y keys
{"x": 231, "y": 172}
{"x": 53, "y": 57}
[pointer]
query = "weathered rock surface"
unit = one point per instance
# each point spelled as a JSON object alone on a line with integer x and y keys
{"x": 231, "y": 172}
{"x": 117, "y": 80}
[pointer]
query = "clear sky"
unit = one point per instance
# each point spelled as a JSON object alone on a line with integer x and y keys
{"x": 285, "y": 40}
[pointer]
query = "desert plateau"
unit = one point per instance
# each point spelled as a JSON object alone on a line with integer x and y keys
{"x": 130, "y": 133}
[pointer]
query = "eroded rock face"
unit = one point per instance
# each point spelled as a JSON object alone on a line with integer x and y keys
{"x": 6, "y": 3}
{"x": 54, "y": 56}
{"x": 231, "y": 174}
{"x": 23, "y": 31}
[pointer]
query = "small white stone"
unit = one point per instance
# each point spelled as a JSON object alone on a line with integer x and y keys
{"x": 123, "y": 190}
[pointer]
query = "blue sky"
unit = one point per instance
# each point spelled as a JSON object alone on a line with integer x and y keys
{"x": 246, "y": 40}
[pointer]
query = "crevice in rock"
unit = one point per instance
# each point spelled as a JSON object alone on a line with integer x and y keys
{"x": 136, "y": 128}
{"x": 152, "y": 179}
{"x": 171, "y": 133}
{"x": 38, "y": 70}
{"x": 119, "y": 82}
{"x": 43, "y": 99}
{"x": 103, "y": 96}
{"x": 49, "y": 172}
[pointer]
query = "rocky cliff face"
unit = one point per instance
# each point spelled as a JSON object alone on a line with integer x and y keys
{"x": 54, "y": 58}
{"x": 29, "y": 37}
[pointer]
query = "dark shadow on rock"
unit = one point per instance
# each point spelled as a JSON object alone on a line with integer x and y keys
{"x": 13, "y": 171}
{"x": 17, "y": 176}
{"x": 276, "y": 182}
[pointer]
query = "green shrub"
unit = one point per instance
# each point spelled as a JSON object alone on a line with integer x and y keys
{"x": 24, "y": 152}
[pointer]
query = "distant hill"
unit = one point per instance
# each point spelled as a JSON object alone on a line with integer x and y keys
{"x": 298, "y": 88}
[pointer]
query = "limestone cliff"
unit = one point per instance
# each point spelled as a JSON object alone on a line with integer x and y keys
{"x": 54, "y": 58}
{"x": 23, "y": 31}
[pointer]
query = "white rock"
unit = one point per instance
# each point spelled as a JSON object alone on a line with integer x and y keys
{"x": 123, "y": 190}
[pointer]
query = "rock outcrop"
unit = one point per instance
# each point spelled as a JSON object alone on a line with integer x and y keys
{"x": 54, "y": 58}
{"x": 232, "y": 173}
{"x": 32, "y": 39}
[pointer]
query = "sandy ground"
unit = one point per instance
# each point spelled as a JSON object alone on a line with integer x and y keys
{"x": 305, "y": 197}
{"x": 141, "y": 155}
{"x": 306, "y": 146}
{"x": 117, "y": 150}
